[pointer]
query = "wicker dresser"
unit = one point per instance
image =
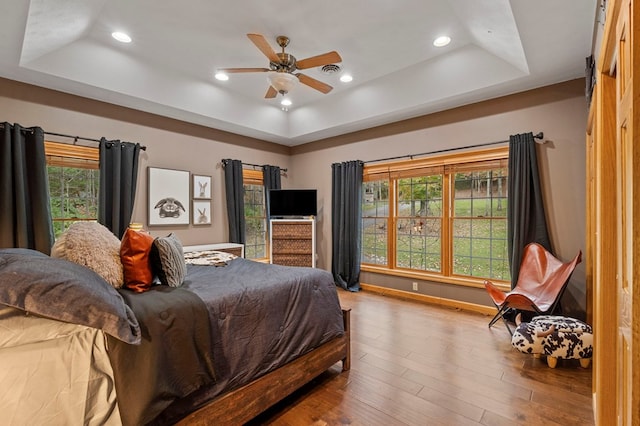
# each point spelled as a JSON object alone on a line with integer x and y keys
{"x": 293, "y": 242}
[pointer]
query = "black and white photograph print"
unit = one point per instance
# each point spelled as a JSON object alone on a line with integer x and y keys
{"x": 168, "y": 193}
{"x": 201, "y": 212}
{"x": 201, "y": 187}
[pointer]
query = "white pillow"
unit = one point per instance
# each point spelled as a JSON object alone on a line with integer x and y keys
{"x": 92, "y": 245}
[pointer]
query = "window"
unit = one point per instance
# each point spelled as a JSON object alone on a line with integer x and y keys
{"x": 419, "y": 219}
{"x": 74, "y": 179}
{"x": 441, "y": 217}
{"x": 375, "y": 211}
{"x": 254, "y": 215}
{"x": 480, "y": 223}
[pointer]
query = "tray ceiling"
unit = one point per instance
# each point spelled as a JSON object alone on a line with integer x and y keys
{"x": 498, "y": 47}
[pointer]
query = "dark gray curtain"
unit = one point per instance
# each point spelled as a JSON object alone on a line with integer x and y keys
{"x": 526, "y": 220}
{"x": 235, "y": 199}
{"x": 346, "y": 212}
{"x": 118, "y": 179}
{"x": 25, "y": 221}
{"x": 270, "y": 180}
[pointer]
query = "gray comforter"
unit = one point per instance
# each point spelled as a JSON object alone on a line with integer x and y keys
{"x": 174, "y": 358}
{"x": 261, "y": 317}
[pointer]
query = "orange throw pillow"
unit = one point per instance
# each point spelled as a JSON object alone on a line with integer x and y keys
{"x": 134, "y": 254}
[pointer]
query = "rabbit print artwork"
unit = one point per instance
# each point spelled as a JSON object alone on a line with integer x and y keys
{"x": 203, "y": 189}
{"x": 202, "y": 216}
{"x": 201, "y": 212}
{"x": 169, "y": 207}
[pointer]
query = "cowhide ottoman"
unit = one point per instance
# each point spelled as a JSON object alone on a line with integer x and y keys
{"x": 556, "y": 337}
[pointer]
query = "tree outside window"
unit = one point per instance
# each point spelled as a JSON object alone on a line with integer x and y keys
{"x": 255, "y": 215}
{"x": 74, "y": 180}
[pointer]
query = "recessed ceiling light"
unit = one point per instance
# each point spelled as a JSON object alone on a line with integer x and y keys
{"x": 346, "y": 78}
{"x": 221, "y": 76}
{"x": 121, "y": 37}
{"x": 285, "y": 102}
{"x": 441, "y": 41}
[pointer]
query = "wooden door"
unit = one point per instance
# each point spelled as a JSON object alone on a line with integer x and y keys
{"x": 601, "y": 245}
{"x": 628, "y": 214}
{"x": 614, "y": 219}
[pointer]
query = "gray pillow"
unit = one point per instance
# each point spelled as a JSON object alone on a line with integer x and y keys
{"x": 167, "y": 260}
{"x": 64, "y": 291}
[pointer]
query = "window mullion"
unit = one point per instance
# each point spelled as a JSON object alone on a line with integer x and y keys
{"x": 447, "y": 225}
{"x": 392, "y": 223}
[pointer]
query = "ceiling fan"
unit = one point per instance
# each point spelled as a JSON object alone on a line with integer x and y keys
{"x": 282, "y": 67}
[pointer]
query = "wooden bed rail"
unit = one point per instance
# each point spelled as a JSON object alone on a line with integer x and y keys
{"x": 243, "y": 404}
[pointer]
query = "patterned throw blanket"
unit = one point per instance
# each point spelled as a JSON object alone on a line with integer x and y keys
{"x": 208, "y": 257}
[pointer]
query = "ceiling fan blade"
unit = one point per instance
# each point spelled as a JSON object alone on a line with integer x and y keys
{"x": 271, "y": 93}
{"x": 262, "y": 44}
{"x": 236, "y": 70}
{"x": 314, "y": 84}
{"x": 317, "y": 61}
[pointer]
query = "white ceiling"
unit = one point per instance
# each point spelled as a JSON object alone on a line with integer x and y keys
{"x": 498, "y": 47}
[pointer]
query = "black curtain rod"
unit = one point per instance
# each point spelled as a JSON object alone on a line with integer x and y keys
{"x": 254, "y": 165}
{"x": 258, "y": 165}
{"x": 76, "y": 138}
{"x": 410, "y": 156}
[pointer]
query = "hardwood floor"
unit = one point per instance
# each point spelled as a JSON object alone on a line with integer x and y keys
{"x": 418, "y": 364}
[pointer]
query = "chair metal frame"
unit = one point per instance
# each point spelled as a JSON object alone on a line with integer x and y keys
{"x": 541, "y": 283}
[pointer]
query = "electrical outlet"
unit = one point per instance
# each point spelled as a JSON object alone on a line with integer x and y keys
{"x": 415, "y": 286}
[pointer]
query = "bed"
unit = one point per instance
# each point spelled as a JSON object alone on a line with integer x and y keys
{"x": 228, "y": 343}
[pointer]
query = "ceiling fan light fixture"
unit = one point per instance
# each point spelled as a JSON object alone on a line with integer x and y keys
{"x": 283, "y": 82}
{"x": 221, "y": 76}
{"x": 285, "y": 102}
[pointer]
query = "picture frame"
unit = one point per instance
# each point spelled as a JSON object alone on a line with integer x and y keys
{"x": 201, "y": 212}
{"x": 168, "y": 197}
{"x": 201, "y": 187}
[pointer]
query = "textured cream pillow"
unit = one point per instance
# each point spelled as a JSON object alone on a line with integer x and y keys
{"x": 92, "y": 245}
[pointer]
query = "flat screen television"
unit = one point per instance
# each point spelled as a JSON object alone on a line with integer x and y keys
{"x": 293, "y": 202}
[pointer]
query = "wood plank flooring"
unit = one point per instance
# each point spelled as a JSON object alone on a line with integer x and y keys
{"x": 419, "y": 364}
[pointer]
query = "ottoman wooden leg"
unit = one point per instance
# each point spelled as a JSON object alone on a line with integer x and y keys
{"x": 552, "y": 361}
{"x": 584, "y": 362}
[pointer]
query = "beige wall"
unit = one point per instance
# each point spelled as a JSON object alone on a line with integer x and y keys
{"x": 170, "y": 144}
{"x": 559, "y": 111}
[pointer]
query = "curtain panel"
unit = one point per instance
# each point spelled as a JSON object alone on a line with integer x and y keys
{"x": 26, "y": 220}
{"x": 271, "y": 180}
{"x": 346, "y": 212}
{"x": 118, "y": 180}
{"x": 526, "y": 218}
{"x": 234, "y": 190}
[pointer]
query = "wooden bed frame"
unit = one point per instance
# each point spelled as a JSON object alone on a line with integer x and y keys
{"x": 243, "y": 404}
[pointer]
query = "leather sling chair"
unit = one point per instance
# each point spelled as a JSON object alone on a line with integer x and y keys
{"x": 541, "y": 283}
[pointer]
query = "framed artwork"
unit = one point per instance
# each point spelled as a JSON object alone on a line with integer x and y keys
{"x": 202, "y": 212}
{"x": 201, "y": 188}
{"x": 168, "y": 194}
